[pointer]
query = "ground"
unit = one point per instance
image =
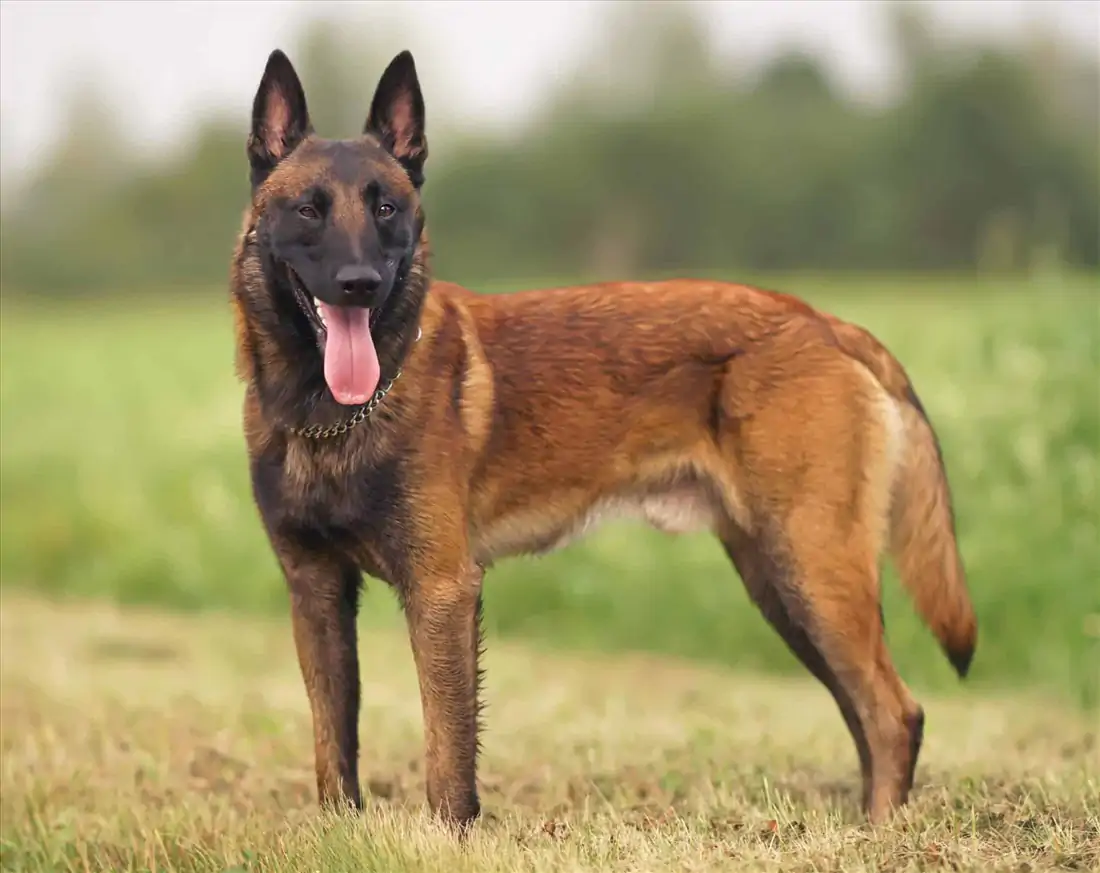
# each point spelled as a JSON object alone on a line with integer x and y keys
{"x": 142, "y": 740}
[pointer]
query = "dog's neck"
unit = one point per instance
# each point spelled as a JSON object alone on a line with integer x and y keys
{"x": 284, "y": 367}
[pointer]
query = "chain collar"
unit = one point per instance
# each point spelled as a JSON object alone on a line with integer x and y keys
{"x": 321, "y": 432}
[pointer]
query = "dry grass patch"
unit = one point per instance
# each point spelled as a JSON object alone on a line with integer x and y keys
{"x": 142, "y": 741}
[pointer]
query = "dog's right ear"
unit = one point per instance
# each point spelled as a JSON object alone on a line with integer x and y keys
{"x": 280, "y": 119}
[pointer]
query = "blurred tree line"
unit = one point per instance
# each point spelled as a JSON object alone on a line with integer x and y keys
{"x": 651, "y": 159}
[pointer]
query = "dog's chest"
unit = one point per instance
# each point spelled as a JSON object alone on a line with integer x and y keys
{"x": 353, "y": 509}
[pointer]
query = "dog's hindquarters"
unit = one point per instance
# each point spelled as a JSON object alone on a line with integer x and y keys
{"x": 815, "y": 460}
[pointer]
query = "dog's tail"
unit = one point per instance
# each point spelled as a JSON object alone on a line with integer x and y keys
{"x": 923, "y": 540}
{"x": 924, "y": 545}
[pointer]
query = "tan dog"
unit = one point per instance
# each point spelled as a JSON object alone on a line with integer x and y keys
{"x": 415, "y": 431}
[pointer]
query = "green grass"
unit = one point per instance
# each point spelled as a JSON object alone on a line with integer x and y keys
{"x": 138, "y": 741}
{"x": 124, "y": 476}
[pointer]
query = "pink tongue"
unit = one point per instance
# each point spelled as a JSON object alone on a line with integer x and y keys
{"x": 351, "y": 362}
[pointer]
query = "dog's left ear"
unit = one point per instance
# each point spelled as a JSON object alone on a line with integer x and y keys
{"x": 397, "y": 116}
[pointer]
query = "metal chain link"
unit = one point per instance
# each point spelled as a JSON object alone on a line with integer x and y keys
{"x": 321, "y": 432}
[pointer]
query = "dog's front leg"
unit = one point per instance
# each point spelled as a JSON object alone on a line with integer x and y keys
{"x": 324, "y": 597}
{"x": 444, "y": 617}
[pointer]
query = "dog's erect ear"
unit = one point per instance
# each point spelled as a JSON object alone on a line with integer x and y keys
{"x": 397, "y": 116}
{"x": 280, "y": 119}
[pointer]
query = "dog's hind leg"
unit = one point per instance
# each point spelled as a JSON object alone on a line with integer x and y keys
{"x": 828, "y": 614}
{"x": 814, "y": 459}
{"x": 764, "y": 577}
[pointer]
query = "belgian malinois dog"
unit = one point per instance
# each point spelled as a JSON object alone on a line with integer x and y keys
{"x": 415, "y": 431}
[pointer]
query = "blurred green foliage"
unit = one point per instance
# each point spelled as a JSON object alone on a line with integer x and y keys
{"x": 652, "y": 157}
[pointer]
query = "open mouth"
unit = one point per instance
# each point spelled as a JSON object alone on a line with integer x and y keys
{"x": 344, "y": 338}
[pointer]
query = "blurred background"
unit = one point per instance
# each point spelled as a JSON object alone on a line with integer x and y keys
{"x": 930, "y": 170}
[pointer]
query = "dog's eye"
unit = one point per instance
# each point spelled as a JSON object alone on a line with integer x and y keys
{"x": 385, "y": 210}
{"x": 308, "y": 212}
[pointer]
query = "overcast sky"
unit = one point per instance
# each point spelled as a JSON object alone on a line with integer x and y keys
{"x": 163, "y": 61}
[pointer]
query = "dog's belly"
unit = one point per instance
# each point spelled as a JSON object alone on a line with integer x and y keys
{"x": 536, "y": 530}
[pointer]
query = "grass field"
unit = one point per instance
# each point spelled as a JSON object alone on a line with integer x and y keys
{"x": 170, "y": 733}
{"x": 137, "y": 740}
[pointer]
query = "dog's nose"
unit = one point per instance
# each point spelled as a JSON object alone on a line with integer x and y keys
{"x": 358, "y": 280}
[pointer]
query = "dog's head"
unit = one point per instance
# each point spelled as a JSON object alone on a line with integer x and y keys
{"x": 338, "y": 222}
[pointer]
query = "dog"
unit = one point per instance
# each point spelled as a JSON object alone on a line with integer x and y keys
{"x": 416, "y": 431}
